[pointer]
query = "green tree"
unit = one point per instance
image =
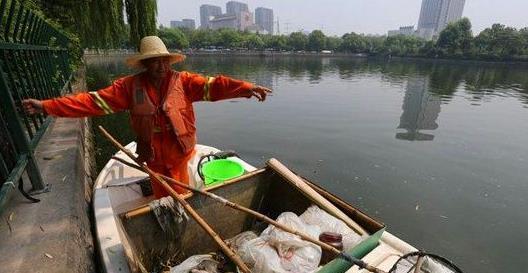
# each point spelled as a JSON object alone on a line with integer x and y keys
{"x": 333, "y": 43}
{"x": 456, "y": 38}
{"x": 141, "y": 16}
{"x": 101, "y": 23}
{"x": 353, "y": 43}
{"x": 500, "y": 42}
{"x": 279, "y": 42}
{"x": 374, "y": 44}
{"x": 229, "y": 38}
{"x": 401, "y": 45}
{"x": 316, "y": 40}
{"x": 202, "y": 38}
{"x": 173, "y": 38}
{"x": 298, "y": 40}
{"x": 524, "y": 38}
{"x": 253, "y": 41}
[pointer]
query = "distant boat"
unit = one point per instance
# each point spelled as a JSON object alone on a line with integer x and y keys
{"x": 131, "y": 240}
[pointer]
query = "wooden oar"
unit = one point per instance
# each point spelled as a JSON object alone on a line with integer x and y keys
{"x": 296, "y": 181}
{"x": 228, "y": 251}
{"x": 266, "y": 219}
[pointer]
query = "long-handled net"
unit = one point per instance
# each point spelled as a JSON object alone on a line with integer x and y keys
{"x": 422, "y": 262}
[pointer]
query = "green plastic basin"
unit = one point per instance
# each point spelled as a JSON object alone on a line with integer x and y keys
{"x": 219, "y": 170}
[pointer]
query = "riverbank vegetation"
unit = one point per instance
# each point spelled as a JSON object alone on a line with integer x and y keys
{"x": 101, "y": 23}
{"x": 456, "y": 41}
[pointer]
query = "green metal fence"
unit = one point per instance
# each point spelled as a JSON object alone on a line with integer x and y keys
{"x": 34, "y": 63}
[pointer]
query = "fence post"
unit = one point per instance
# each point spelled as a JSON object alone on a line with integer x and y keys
{"x": 19, "y": 135}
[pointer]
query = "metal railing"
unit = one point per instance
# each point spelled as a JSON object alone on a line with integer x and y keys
{"x": 34, "y": 63}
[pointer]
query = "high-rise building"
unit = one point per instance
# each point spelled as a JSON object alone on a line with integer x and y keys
{"x": 436, "y": 14}
{"x": 175, "y": 24}
{"x": 189, "y": 23}
{"x": 208, "y": 12}
{"x": 244, "y": 20}
{"x": 240, "y": 21}
{"x": 234, "y": 7}
{"x": 185, "y": 23}
{"x": 264, "y": 19}
{"x": 224, "y": 21}
{"x": 405, "y": 30}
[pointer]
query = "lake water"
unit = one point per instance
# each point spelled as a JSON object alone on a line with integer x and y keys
{"x": 435, "y": 150}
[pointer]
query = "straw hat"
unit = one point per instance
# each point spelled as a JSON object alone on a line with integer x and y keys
{"x": 150, "y": 47}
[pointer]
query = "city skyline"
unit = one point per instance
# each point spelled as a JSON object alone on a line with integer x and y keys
{"x": 237, "y": 16}
{"x": 369, "y": 17}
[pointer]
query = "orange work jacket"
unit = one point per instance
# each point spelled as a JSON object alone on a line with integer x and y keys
{"x": 164, "y": 121}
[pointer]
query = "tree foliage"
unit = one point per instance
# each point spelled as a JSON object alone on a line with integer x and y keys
{"x": 316, "y": 40}
{"x": 500, "y": 41}
{"x": 456, "y": 38}
{"x": 101, "y": 23}
{"x": 173, "y": 38}
{"x": 298, "y": 40}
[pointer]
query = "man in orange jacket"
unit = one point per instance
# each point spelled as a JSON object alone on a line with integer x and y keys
{"x": 160, "y": 103}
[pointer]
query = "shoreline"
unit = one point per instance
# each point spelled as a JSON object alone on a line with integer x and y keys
{"x": 271, "y": 54}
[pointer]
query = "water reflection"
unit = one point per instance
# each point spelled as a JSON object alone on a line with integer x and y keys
{"x": 474, "y": 81}
{"x": 420, "y": 110}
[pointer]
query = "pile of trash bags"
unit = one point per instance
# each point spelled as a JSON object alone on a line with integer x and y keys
{"x": 277, "y": 251}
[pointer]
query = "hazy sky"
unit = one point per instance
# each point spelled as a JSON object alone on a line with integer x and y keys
{"x": 362, "y": 16}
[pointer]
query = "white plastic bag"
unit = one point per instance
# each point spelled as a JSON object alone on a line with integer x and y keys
{"x": 277, "y": 251}
{"x": 326, "y": 222}
{"x": 236, "y": 242}
{"x": 259, "y": 255}
{"x": 196, "y": 263}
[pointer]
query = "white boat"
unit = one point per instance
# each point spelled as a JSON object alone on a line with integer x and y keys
{"x": 125, "y": 227}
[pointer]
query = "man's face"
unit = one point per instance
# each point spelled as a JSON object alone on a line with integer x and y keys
{"x": 157, "y": 67}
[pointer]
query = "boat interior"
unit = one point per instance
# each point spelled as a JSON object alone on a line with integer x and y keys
{"x": 150, "y": 249}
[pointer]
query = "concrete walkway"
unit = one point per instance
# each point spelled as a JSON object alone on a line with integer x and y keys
{"x": 55, "y": 234}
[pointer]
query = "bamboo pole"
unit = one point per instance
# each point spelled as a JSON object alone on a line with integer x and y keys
{"x": 296, "y": 181}
{"x": 228, "y": 251}
{"x": 266, "y": 219}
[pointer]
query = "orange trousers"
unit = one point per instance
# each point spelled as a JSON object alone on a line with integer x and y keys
{"x": 178, "y": 170}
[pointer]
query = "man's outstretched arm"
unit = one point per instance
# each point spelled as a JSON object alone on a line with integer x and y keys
{"x": 200, "y": 88}
{"x": 112, "y": 99}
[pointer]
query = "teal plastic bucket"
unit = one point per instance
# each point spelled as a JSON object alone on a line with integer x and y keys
{"x": 216, "y": 171}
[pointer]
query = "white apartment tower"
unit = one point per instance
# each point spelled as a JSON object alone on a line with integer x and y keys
{"x": 264, "y": 19}
{"x": 436, "y": 14}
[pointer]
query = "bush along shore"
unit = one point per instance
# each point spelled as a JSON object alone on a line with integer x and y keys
{"x": 456, "y": 41}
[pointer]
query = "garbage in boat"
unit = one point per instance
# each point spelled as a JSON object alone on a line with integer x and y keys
{"x": 198, "y": 264}
{"x": 326, "y": 222}
{"x": 170, "y": 215}
{"x": 278, "y": 251}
